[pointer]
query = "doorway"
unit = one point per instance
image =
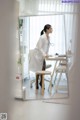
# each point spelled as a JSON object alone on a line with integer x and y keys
{"x": 29, "y": 35}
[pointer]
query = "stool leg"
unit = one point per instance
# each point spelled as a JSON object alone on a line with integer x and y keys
{"x": 42, "y": 84}
{"x": 37, "y": 77}
{"x": 58, "y": 81}
{"x": 55, "y": 78}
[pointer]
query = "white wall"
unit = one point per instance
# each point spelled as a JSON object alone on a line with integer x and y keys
{"x": 74, "y": 75}
{"x": 7, "y": 42}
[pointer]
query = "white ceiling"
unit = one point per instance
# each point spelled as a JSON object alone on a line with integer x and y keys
{"x": 36, "y": 7}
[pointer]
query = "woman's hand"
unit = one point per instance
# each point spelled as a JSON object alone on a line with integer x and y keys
{"x": 50, "y": 55}
{"x": 46, "y": 56}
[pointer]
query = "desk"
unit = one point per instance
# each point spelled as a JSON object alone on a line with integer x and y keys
{"x": 56, "y": 59}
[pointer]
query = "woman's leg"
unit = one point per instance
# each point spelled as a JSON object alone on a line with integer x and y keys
{"x": 43, "y": 68}
{"x": 37, "y": 77}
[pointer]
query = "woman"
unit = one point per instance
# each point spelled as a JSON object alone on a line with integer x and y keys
{"x": 37, "y": 56}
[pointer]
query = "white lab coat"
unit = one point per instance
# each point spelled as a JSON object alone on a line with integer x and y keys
{"x": 37, "y": 55}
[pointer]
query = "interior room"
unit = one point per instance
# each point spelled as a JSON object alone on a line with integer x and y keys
{"x": 29, "y": 35}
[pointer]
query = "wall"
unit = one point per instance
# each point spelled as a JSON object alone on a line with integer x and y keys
{"x": 74, "y": 76}
{"x": 7, "y": 51}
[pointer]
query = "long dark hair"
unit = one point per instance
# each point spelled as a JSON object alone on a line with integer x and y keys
{"x": 47, "y": 26}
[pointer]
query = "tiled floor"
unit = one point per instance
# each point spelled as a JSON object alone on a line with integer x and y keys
{"x": 31, "y": 92}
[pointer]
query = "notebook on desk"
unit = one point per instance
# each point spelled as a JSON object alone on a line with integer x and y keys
{"x": 60, "y": 55}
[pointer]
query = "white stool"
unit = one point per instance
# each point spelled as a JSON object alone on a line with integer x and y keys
{"x": 42, "y": 73}
{"x": 60, "y": 69}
